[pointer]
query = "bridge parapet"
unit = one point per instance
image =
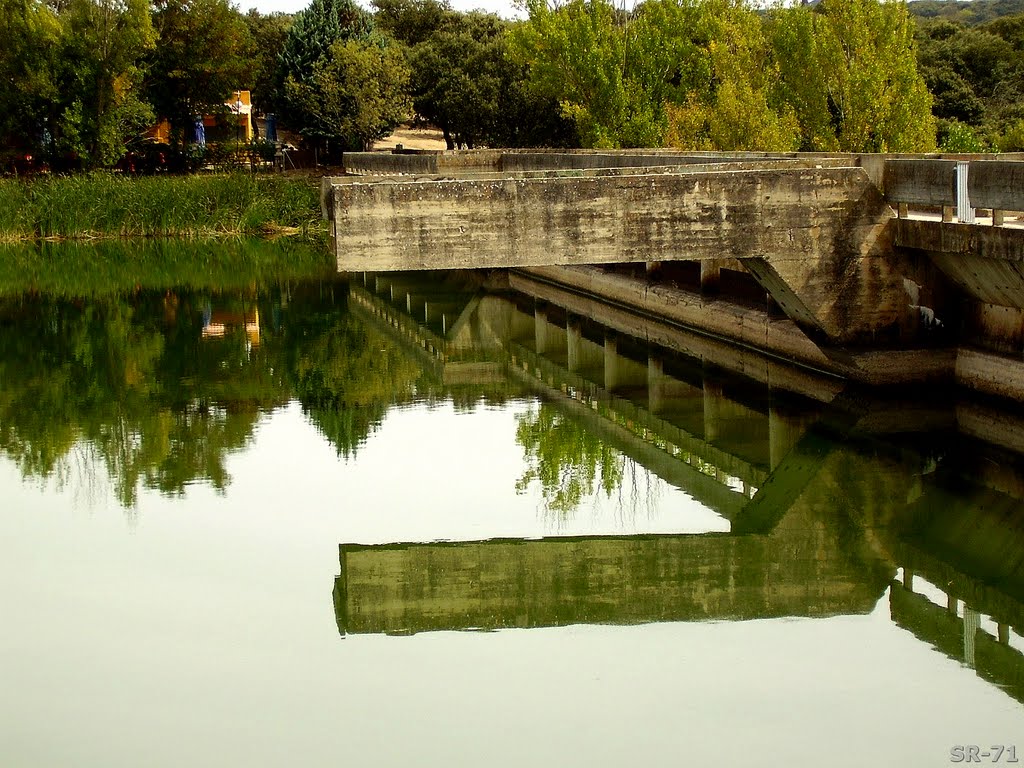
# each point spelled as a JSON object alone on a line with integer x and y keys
{"x": 996, "y": 185}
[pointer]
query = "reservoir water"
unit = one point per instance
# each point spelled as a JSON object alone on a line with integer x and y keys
{"x": 269, "y": 515}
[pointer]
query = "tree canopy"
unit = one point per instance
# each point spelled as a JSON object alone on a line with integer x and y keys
{"x": 81, "y": 80}
{"x": 202, "y": 57}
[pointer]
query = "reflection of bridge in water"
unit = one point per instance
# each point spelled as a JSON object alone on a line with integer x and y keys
{"x": 819, "y": 525}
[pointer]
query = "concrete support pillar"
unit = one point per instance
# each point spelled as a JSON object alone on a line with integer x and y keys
{"x": 1003, "y": 634}
{"x": 655, "y": 384}
{"x": 902, "y": 210}
{"x": 540, "y": 330}
{"x": 784, "y": 431}
{"x": 712, "y": 409}
{"x": 710, "y": 277}
{"x": 948, "y": 211}
{"x": 773, "y": 309}
{"x": 952, "y": 604}
{"x": 573, "y": 339}
{"x": 611, "y": 362}
{"x": 998, "y": 217}
{"x": 653, "y": 268}
{"x": 908, "y": 579}
{"x": 408, "y": 303}
{"x": 972, "y": 620}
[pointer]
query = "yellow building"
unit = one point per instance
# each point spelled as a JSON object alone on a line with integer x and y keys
{"x": 239, "y": 116}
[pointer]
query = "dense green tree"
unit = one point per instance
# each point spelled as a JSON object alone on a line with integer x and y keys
{"x": 306, "y": 50}
{"x": 576, "y": 53}
{"x": 457, "y": 81}
{"x": 28, "y": 72}
{"x": 463, "y": 80}
{"x": 413, "y": 21}
{"x": 267, "y": 34}
{"x": 355, "y": 95}
{"x": 849, "y": 69}
{"x": 976, "y": 75}
{"x": 724, "y": 81}
{"x": 103, "y": 48}
{"x": 202, "y": 56}
{"x": 697, "y": 73}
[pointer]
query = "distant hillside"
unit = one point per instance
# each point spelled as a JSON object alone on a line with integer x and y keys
{"x": 970, "y": 13}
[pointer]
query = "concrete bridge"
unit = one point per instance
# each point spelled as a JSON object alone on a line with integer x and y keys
{"x": 860, "y": 261}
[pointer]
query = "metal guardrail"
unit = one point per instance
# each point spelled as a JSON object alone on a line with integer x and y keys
{"x": 956, "y": 186}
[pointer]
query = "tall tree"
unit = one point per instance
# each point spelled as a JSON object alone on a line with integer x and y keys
{"x": 201, "y": 58}
{"x": 355, "y": 95}
{"x": 267, "y": 34}
{"x": 457, "y": 77}
{"x": 576, "y": 54}
{"x": 28, "y": 72}
{"x": 308, "y": 43}
{"x": 104, "y": 45}
{"x": 715, "y": 67}
{"x": 849, "y": 69}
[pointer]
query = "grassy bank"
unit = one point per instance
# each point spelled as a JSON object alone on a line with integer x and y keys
{"x": 103, "y": 205}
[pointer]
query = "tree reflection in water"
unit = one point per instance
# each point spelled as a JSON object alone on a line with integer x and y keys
{"x": 126, "y": 391}
{"x": 570, "y": 464}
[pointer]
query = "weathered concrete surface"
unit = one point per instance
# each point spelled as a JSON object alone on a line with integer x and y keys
{"x": 749, "y": 327}
{"x": 996, "y": 184}
{"x": 422, "y": 161}
{"x": 820, "y": 233}
{"x": 991, "y": 373}
{"x": 920, "y": 182}
{"x": 1006, "y": 243}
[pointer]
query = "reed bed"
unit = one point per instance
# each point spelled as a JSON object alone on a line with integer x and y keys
{"x": 104, "y": 205}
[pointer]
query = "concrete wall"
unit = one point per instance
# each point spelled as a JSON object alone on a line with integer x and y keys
{"x": 407, "y": 162}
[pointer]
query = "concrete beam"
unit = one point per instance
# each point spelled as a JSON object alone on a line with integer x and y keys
{"x": 920, "y": 182}
{"x": 950, "y": 237}
{"x": 997, "y": 184}
{"x": 820, "y": 231}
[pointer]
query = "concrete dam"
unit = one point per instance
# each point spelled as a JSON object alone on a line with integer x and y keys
{"x": 878, "y": 269}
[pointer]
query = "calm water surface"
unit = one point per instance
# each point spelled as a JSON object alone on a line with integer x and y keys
{"x": 300, "y": 519}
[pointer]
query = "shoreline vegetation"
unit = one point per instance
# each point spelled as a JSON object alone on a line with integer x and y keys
{"x": 105, "y": 206}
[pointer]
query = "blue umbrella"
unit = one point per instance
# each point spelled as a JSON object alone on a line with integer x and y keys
{"x": 199, "y": 132}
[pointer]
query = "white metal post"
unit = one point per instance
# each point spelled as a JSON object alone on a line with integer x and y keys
{"x": 964, "y": 211}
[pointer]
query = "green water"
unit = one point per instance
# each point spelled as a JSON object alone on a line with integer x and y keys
{"x": 255, "y": 513}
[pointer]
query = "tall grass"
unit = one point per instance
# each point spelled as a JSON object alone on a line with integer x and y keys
{"x": 106, "y": 205}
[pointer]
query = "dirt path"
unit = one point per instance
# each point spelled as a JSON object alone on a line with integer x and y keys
{"x": 413, "y": 138}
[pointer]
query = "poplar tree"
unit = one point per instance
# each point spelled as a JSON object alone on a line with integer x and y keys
{"x": 849, "y": 69}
